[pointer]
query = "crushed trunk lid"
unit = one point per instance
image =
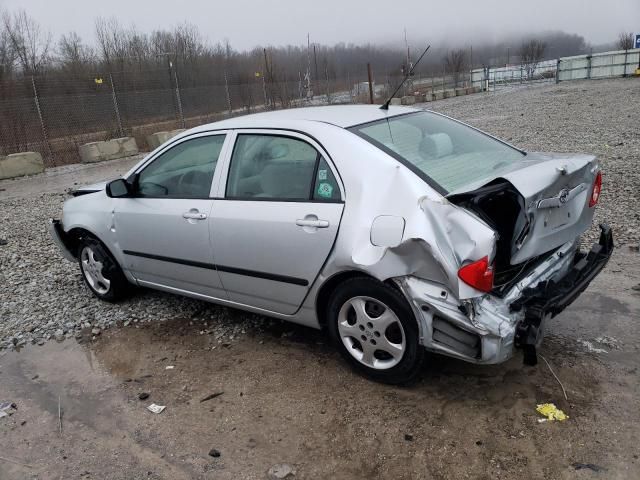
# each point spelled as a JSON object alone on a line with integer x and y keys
{"x": 536, "y": 205}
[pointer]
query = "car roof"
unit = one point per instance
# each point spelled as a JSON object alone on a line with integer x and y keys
{"x": 343, "y": 116}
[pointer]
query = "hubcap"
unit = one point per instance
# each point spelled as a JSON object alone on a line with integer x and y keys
{"x": 92, "y": 271}
{"x": 371, "y": 332}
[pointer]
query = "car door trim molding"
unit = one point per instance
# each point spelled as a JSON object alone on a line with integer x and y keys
{"x": 222, "y": 268}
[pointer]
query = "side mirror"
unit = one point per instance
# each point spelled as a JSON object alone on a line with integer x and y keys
{"x": 119, "y": 189}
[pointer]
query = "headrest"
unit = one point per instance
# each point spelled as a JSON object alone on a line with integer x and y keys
{"x": 436, "y": 145}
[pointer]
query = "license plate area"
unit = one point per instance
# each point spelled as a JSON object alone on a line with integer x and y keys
{"x": 558, "y": 217}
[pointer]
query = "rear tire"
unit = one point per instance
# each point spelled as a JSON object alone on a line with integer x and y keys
{"x": 375, "y": 330}
{"x": 101, "y": 272}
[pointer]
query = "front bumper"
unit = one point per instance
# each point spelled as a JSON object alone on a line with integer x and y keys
{"x": 60, "y": 239}
{"x": 547, "y": 299}
{"x": 488, "y": 329}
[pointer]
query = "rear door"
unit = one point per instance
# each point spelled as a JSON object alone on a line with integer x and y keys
{"x": 276, "y": 219}
{"x": 163, "y": 231}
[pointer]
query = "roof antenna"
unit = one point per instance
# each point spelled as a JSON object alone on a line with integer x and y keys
{"x": 385, "y": 105}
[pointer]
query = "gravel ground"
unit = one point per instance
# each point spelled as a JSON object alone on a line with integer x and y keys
{"x": 43, "y": 296}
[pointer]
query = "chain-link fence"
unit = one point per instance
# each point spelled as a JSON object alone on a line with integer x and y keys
{"x": 55, "y": 114}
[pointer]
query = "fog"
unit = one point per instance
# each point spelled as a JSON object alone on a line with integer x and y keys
{"x": 246, "y": 24}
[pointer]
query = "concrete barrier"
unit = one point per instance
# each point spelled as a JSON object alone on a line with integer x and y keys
{"x": 460, "y": 92}
{"x": 21, "y": 164}
{"x": 108, "y": 150}
{"x": 156, "y": 139}
{"x": 438, "y": 95}
{"x": 396, "y": 101}
{"x": 449, "y": 93}
{"x": 408, "y": 100}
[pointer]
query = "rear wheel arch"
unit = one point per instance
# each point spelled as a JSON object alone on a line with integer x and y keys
{"x": 327, "y": 288}
{"x": 334, "y": 282}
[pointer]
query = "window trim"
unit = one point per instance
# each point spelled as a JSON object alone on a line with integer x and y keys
{"x": 294, "y": 135}
{"x": 133, "y": 177}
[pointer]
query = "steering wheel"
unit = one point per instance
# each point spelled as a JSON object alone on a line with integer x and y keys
{"x": 187, "y": 182}
{"x": 165, "y": 190}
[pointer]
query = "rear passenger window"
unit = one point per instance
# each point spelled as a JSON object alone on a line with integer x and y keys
{"x": 272, "y": 167}
{"x": 325, "y": 187}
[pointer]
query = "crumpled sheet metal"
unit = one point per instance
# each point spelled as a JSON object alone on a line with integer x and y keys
{"x": 438, "y": 239}
{"x": 438, "y": 236}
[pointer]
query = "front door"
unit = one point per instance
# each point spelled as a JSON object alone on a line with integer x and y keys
{"x": 278, "y": 220}
{"x": 163, "y": 231}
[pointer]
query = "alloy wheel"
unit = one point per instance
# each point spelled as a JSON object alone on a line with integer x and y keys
{"x": 371, "y": 332}
{"x": 92, "y": 271}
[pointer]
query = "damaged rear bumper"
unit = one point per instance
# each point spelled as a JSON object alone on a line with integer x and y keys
{"x": 487, "y": 330}
{"x": 549, "y": 298}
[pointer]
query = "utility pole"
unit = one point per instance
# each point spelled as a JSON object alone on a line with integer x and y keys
{"x": 315, "y": 60}
{"x": 370, "y": 83}
{"x": 308, "y": 74}
{"x": 266, "y": 69}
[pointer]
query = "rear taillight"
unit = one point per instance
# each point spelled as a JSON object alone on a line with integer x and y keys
{"x": 595, "y": 191}
{"x": 478, "y": 274}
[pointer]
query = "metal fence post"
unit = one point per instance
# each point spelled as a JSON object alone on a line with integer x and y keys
{"x": 226, "y": 89}
{"x": 589, "y": 66}
{"x": 42, "y": 127}
{"x": 115, "y": 106}
{"x": 264, "y": 91}
{"x": 558, "y": 71}
{"x": 178, "y": 99}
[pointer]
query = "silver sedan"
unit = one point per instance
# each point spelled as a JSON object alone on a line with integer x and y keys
{"x": 398, "y": 231}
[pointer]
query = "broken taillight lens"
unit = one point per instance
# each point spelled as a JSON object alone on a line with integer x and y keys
{"x": 478, "y": 274}
{"x": 595, "y": 192}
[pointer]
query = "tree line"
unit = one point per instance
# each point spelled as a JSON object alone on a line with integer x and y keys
{"x": 26, "y": 48}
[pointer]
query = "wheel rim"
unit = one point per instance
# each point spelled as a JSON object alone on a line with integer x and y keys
{"x": 371, "y": 332}
{"x": 92, "y": 271}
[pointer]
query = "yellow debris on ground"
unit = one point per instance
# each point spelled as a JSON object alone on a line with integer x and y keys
{"x": 552, "y": 412}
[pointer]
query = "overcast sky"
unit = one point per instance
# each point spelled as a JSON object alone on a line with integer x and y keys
{"x": 281, "y": 22}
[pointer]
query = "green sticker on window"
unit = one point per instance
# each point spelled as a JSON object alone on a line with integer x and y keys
{"x": 325, "y": 190}
{"x": 322, "y": 174}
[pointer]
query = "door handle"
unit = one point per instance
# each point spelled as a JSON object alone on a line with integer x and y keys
{"x": 303, "y": 222}
{"x": 191, "y": 215}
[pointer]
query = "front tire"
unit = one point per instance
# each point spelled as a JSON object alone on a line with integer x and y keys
{"x": 375, "y": 330}
{"x": 100, "y": 271}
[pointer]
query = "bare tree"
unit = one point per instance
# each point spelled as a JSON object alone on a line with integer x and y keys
{"x": 29, "y": 43}
{"x": 73, "y": 54}
{"x": 7, "y": 55}
{"x": 625, "y": 41}
{"x": 455, "y": 63}
{"x": 531, "y": 53}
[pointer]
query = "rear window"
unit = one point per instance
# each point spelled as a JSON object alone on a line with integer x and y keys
{"x": 447, "y": 154}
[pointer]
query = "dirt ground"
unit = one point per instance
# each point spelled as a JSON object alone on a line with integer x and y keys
{"x": 288, "y": 398}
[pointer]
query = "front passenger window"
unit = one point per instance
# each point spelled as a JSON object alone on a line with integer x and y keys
{"x": 184, "y": 171}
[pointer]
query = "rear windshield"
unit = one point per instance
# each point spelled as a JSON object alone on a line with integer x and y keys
{"x": 447, "y": 154}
